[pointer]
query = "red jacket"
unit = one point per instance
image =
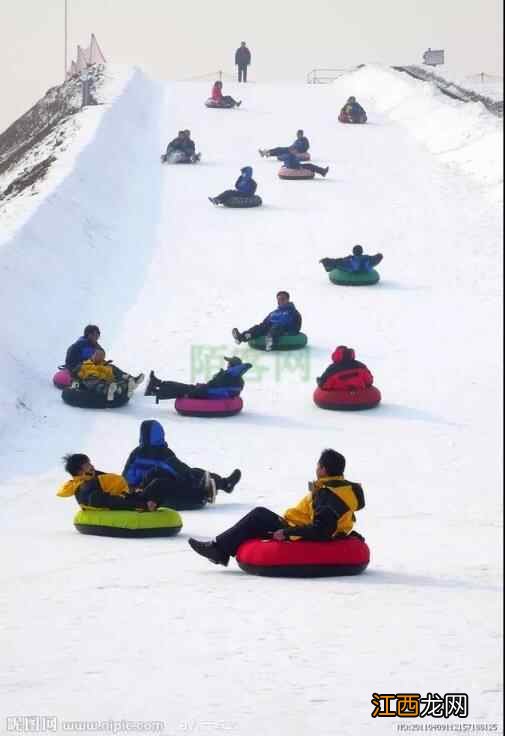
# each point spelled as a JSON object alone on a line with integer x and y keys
{"x": 345, "y": 372}
{"x": 216, "y": 95}
{"x": 354, "y": 378}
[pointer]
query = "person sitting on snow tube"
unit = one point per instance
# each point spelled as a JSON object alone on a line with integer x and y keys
{"x": 326, "y": 513}
{"x": 244, "y": 186}
{"x": 105, "y": 379}
{"x": 291, "y": 161}
{"x": 221, "y": 100}
{"x": 358, "y": 262}
{"x": 352, "y": 112}
{"x": 181, "y": 149}
{"x": 94, "y": 489}
{"x": 83, "y": 348}
{"x": 154, "y": 466}
{"x": 285, "y": 320}
{"x": 299, "y": 145}
{"x": 225, "y": 384}
{"x": 345, "y": 372}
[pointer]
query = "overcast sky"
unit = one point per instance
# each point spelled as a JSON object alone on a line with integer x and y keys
{"x": 288, "y": 38}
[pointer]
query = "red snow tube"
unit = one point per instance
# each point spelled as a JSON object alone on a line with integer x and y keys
{"x": 62, "y": 378}
{"x": 209, "y": 407}
{"x": 285, "y": 173}
{"x": 344, "y": 556}
{"x": 347, "y": 399}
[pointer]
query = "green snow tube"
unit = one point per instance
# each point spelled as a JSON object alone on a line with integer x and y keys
{"x": 284, "y": 342}
{"x": 348, "y": 278}
{"x": 105, "y": 523}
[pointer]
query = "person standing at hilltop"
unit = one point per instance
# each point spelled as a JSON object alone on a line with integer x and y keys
{"x": 242, "y": 60}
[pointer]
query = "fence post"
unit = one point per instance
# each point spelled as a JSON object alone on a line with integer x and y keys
{"x": 220, "y": 75}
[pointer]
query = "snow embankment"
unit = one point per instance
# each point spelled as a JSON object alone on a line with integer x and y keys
{"x": 90, "y": 218}
{"x": 462, "y": 134}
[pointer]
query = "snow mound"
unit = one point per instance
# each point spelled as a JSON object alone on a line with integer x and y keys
{"x": 462, "y": 134}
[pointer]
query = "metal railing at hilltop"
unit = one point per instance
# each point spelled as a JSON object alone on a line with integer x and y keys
{"x": 325, "y": 76}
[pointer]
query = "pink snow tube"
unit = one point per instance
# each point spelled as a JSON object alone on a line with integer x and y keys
{"x": 209, "y": 407}
{"x": 62, "y": 378}
{"x": 285, "y": 173}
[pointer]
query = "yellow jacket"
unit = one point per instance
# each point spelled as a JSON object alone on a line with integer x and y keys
{"x": 327, "y": 511}
{"x": 114, "y": 485}
{"x": 102, "y": 372}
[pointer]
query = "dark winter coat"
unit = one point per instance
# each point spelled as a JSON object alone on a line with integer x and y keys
{"x": 245, "y": 184}
{"x": 242, "y": 56}
{"x": 152, "y": 455}
{"x": 286, "y": 317}
{"x": 227, "y": 382}
{"x": 80, "y": 351}
{"x": 357, "y": 111}
{"x": 301, "y": 145}
{"x": 185, "y": 145}
{"x": 290, "y": 161}
{"x": 358, "y": 264}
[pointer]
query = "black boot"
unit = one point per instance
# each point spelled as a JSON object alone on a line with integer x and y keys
{"x": 210, "y": 550}
{"x": 153, "y": 385}
{"x": 237, "y": 336}
{"x": 231, "y": 481}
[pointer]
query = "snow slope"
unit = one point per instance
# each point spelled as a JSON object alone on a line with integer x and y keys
{"x": 145, "y": 629}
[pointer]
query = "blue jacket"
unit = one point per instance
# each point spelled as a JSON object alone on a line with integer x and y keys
{"x": 290, "y": 161}
{"x": 286, "y": 317}
{"x": 358, "y": 264}
{"x": 228, "y": 382}
{"x": 152, "y": 456}
{"x": 301, "y": 145}
{"x": 81, "y": 350}
{"x": 245, "y": 184}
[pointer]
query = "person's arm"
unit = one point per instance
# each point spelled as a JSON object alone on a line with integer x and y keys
{"x": 249, "y": 57}
{"x": 375, "y": 260}
{"x": 327, "y": 373}
{"x": 237, "y": 57}
{"x": 73, "y": 356}
{"x": 297, "y": 320}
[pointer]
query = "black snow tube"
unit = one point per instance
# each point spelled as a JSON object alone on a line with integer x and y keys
{"x": 244, "y": 200}
{"x": 90, "y": 400}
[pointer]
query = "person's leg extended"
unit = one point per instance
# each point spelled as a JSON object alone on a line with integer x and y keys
{"x": 173, "y": 390}
{"x": 257, "y": 523}
{"x": 316, "y": 169}
{"x": 278, "y": 151}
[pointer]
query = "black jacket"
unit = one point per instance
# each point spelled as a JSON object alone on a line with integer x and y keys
{"x": 90, "y": 493}
{"x": 242, "y": 56}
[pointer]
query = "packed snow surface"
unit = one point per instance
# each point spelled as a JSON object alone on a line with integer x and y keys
{"x": 100, "y": 628}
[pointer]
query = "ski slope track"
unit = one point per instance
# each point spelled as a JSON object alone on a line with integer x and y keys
{"x": 98, "y": 628}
